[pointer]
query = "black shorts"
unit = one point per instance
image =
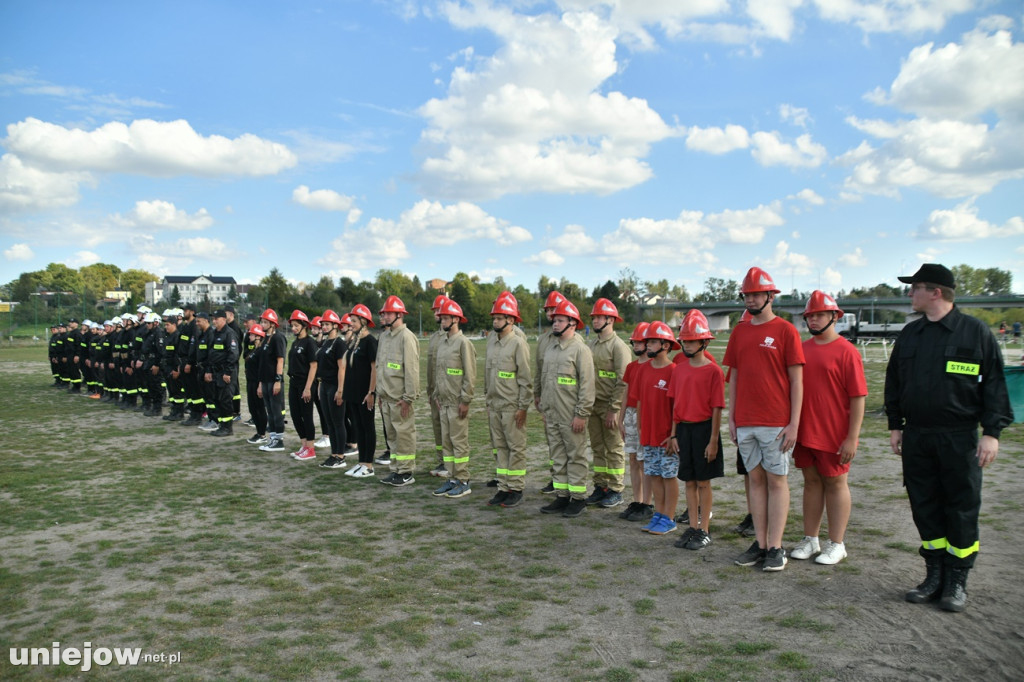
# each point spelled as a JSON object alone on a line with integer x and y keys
{"x": 740, "y": 468}
{"x": 692, "y": 440}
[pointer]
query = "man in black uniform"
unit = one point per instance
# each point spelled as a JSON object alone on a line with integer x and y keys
{"x": 171, "y": 366}
{"x": 236, "y": 391}
{"x": 55, "y": 345}
{"x": 151, "y": 357}
{"x": 945, "y": 377}
{"x": 72, "y": 347}
{"x": 222, "y": 371}
{"x": 204, "y": 342}
{"x": 190, "y": 375}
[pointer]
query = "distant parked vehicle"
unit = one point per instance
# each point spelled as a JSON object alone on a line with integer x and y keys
{"x": 851, "y": 328}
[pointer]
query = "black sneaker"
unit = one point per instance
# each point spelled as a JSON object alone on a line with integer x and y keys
{"x": 575, "y": 508}
{"x": 403, "y": 479}
{"x": 624, "y": 514}
{"x": 223, "y": 430}
{"x": 612, "y": 499}
{"x": 493, "y": 483}
{"x": 753, "y": 554}
{"x": 332, "y": 462}
{"x": 685, "y": 537}
{"x": 498, "y": 499}
{"x": 684, "y": 518}
{"x": 384, "y": 460}
{"x": 548, "y": 489}
{"x": 643, "y": 513}
{"x": 598, "y": 495}
{"x": 513, "y": 499}
{"x": 699, "y": 540}
{"x": 556, "y": 507}
{"x": 774, "y": 560}
{"x": 745, "y": 527}
{"x": 250, "y": 422}
{"x": 389, "y": 479}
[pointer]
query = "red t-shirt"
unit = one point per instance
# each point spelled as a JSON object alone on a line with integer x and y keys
{"x": 760, "y": 355}
{"x": 696, "y": 391}
{"x": 629, "y": 377}
{"x": 833, "y": 374}
{"x": 655, "y": 405}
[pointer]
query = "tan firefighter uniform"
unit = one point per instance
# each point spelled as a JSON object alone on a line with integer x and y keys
{"x": 398, "y": 378}
{"x": 454, "y": 376}
{"x": 566, "y": 390}
{"x": 611, "y": 356}
{"x": 508, "y": 388}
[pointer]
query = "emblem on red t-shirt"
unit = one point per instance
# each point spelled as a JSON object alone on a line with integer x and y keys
{"x": 769, "y": 342}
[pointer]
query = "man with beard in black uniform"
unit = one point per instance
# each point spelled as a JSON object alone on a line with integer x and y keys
{"x": 72, "y": 341}
{"x": 151, "y": 357}
{"x": 171, "y": 366}
{"x": 236, "y": 391}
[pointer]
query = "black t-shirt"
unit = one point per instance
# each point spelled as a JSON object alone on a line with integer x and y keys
{"x": 327, "y": 359}
{"x": 357, "y": 372}
{"x": 301, "y": 355}
{"x": 272, "y": 348}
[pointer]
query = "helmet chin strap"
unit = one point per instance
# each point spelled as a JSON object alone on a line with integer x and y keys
{"x": 696, "y": 352}
{"x": 503, "y": 327}
{"x": 602, "y": 328}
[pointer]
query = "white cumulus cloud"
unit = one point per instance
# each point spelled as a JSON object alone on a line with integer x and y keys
{"x": 962, "y": 223}
{"x": 81, "y": 259}
{"x": 715, "y": 140}
{"x": 162, "y": 215}
{"x": 532, "y": 117}
{"x": 327, "y": 200}
{"x": 19, "y": 252}
{"x": 24, "y": 188}
{"x": 145, "y": 147}
{"x": 854, "y": 259}
{"x": 770, "y": 150}
{"x": 548, "y": 257}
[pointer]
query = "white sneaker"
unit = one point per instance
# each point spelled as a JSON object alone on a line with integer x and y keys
{"x": 355, "y": 470}
{"x": 323, "y": 441}
{"x": 806, "y": 548}
{"x": 363, "y": 473}
{"x": 832, "y": 553}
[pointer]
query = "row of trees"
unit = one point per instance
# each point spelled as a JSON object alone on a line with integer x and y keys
{"x": 82, "y": 291}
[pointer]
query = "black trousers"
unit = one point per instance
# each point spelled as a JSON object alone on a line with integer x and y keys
{"x": 274, "y": 405}
{"x": 365, "y": 426}
{"x": 223, "y": 397}
{"x": 335, "y": 414}
{"x": 943, "y": 479}
{"x": 257, "y": 408}
{"x": 302, "y": 412}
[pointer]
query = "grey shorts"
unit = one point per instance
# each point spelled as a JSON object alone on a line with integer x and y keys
{"x": 760, "y": 445}
{"x": 632, "y": 439}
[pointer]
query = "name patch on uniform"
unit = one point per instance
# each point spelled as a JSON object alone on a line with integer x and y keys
{"x": 606, "y": 375}
{"x": 506, "y": 375}
{"x": 394, "y": 365}
{"x": 953, "y": 367}
{"x": 454, "y": 372}
{"x": 219, "y": 346}
{"x": 567, "y": 381}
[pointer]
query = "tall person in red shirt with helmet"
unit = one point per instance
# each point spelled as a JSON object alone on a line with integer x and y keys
{"x": 766, "y": 360}
{"x": 834, "y": 397}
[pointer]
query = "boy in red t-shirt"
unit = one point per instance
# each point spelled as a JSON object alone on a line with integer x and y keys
{"x": 654, "y": 412}
{"x": 641, "y": 508}
{"x": 765, "y": 397}
{"x": 697, "y": 393}
{"x": 828, "y": 437}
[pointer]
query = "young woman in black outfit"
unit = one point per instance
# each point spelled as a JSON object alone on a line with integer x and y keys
{"x": 359, "y": 388}
{"x": 301, "y": 374}
{"x": 330, "y": 371}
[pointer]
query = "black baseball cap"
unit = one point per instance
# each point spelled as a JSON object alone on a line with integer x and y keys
{"x": 932, "y": 273}
{"x": 203, "y": 316}
{"x": 229, "y": 308}
{"x": 219, "y": 313}
{"x": 189, "y": 306}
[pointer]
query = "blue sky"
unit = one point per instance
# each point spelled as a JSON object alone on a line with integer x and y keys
{"x": 836, "y": 143}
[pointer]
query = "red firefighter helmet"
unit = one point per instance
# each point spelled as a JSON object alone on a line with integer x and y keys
{"x": 257, "y": 330}
{"x": 695, "y": 327}
{"x": 438, "y": 301}
{"x": 568, "y": 309}
{"x": 820, "y": 302}
{"x": 638, "y": 333}
{"x": 299, "y": 316}
{"x": 554, "y": 298}
{"x": 270, "y": 316}
{"x": 363, "y": 312}
{"x": 393, "y": 305}
{"x": 315, "y": 322}
{"x": 756, "y": 281}
{"x": 331, "y": 316}
{"x": 347, "y": 319}
{"x": 661, "y": 331}
{"x": 506, "y": 305}
{"x": 603, "y": 306}
{"x": 452, "y": 308}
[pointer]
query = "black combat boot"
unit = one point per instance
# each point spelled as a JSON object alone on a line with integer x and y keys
{"x": 931, "y": 588}
{"x": 954, "y": 590}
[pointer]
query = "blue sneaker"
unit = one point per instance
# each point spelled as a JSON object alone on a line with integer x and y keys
{"x": 443, "y": 490}
{"x": 655, "y": 520}
{"x": 666, "y": 525}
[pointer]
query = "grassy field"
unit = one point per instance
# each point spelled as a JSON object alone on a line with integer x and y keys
{"x": 124, "y": 531}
